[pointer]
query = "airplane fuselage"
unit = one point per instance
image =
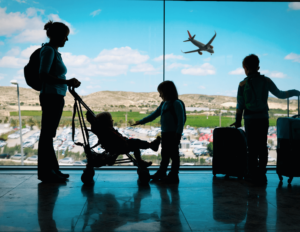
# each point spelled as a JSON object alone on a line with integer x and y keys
{"x": 202, "y": 46}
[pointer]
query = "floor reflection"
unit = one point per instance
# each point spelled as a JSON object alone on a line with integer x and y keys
{"x": 170, "y": 208}
{"x": 241, "y": 205}
{"x": 288, "y": 205}
{"x": 107, "y": 212}
{"x": 47, "y": 196}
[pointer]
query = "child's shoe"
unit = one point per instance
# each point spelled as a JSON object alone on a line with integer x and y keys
{"x": 144, "y": 163}
{"x": 155, "y": 144}
{"x": 171, "y": 179}
{"x": 158, "y": 176}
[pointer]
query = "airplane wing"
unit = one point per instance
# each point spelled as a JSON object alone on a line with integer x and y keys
{"x": 212, "y": 39}
{"x": 190, "y": 51}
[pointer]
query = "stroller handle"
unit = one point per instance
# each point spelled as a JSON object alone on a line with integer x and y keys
{"x": 78, "y": 98}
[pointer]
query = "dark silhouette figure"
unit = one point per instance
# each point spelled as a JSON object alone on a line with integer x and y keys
{"x": 45, "y": 211}
{"x": 172, "y": 113}
{"x": 114, "y": 142}
{"x": 53, "y": 73}
{"x": 252, "y": 101}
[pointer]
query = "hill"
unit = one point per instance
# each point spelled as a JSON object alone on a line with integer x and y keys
{"x": 29, "y": 98}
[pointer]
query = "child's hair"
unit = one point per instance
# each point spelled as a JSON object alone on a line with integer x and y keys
{"x": 251, "y": 62}
{"x": 56, "y": 30}
{"x": 103, "y": 119}
{"x": 168, "y": 89}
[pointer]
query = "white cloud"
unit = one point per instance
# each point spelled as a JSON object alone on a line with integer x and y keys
{"x": 143, "y": 68}
{"x": 34, "y": 11}
{"x": 12, "y": 62}
{"x": 93, "y": 87}
{"x": 21, "y": 1}
{"x": 73, "y": 60}
{"x": 277, "y": 75}
{"x": 1, "y": 43}
{"x": 132, "y": 82}
{"x": 201, "y": 87}
{"x": 185, "y": 84}
{"x": 169, "y": 57}
{"x": 26, "y": 27}
{"x": 123, "y": 55}
{"x": 96, "y": 12}
{"x": 203, "y": 70}
{"x": 294, "y": 5}
{"x": 207, "y": 59}
{"x": 273, "y": 74}
{"x": 28, "y": 51}
{"x": 238, "y": 71}
{"x": 13, "y": 52}
{"x": 293, "y": 56}
{"x": 177, "y": 65}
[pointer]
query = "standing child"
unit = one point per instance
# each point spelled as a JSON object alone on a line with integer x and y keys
{"x": 252, "y": 100}
{"x": 173, "y": 117}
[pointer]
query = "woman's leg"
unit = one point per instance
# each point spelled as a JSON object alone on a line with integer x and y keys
{"x": 52, "y": 107}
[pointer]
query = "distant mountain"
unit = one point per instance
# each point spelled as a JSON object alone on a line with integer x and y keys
{"x": 116, "y": 98}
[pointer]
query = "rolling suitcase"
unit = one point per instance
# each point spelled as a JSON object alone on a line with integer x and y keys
{"x": 288, "y": 146}
{"x": 229, "y": 152}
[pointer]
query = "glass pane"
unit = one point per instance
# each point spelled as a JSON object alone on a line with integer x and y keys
{"x": 207, "y": 82}
{"x": 114, "y": 49}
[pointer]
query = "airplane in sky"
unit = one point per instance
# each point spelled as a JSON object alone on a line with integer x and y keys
{"x": 201, "y": 47}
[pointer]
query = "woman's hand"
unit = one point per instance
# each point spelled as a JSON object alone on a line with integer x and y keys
{"x": 73, "y": 83}
{"x": 136, "y": 123}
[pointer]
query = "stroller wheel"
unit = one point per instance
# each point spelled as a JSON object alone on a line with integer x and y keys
{"x": 87, "y": 176}
{"x": 144, "y": 175}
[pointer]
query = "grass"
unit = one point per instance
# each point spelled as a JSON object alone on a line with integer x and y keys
{"x": 192, "y": 120}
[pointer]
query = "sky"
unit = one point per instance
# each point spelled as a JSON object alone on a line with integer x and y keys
{"x": 118, "y": 45}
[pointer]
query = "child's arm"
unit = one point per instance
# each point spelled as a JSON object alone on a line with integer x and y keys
{"x": 281, "y": 94}
{"x": 240, "y": 106}
{"x": 180, "y": 117}
{"x": 152, "y": 116}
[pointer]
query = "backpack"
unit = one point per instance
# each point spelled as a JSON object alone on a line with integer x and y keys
{"x": 31, "y": 70}
{"x": 173, "y": 112}
{"x": 256, "y": 93}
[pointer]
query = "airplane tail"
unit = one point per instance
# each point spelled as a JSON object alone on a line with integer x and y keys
{"x": 190, "y": 37}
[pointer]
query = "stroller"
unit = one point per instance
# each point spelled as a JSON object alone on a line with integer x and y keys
{"x": 95, "y": 159}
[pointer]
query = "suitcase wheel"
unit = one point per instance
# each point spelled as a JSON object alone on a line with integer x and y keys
{"x": 226, "y": 177}
{"x": 280, "y": 178}
{"x": 240, "y": 177}
{"x": 290, "y": 180}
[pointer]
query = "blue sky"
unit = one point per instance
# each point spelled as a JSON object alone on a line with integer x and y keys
{"x": 117, "y": 45}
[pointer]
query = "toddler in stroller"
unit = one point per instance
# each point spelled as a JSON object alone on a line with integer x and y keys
{"x": 113, "y": 142}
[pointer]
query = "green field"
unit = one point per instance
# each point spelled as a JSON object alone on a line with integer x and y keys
{"x": 192, "y": 120}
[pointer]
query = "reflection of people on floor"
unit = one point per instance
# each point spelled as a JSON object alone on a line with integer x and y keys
{"x": 288, "y": 205}
{"x": 105, "y": 212}
{"x": 170, "y": 208}
{"x": 46, "y": 204}
{"x": 257, "y": 212}
{"x": 227, "y": 208}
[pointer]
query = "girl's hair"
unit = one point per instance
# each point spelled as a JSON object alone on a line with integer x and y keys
{"x": 169, "y": 91}
{"x": 56, "y": 30}
{"x": 103, "y": 119}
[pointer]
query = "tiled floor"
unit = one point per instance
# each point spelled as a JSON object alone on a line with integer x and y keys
{"x": 117, "y": 203}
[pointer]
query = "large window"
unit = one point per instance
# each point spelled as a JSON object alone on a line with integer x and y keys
{"x": 116, "y": 50}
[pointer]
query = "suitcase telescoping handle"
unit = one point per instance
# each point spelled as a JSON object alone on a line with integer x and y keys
{"x": 288, "y": 108}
